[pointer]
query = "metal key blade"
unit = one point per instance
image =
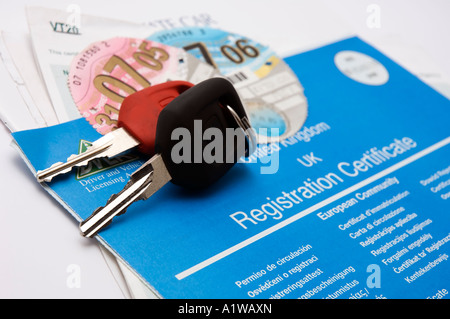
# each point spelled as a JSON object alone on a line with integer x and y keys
{"x": 109, "y": 145}
{"x": 150, "y": 177}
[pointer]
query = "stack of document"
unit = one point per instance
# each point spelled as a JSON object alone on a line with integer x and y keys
{"x": 353, "y": 205}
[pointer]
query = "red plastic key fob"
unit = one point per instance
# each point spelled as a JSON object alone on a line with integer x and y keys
{"x": 139, "y": 111}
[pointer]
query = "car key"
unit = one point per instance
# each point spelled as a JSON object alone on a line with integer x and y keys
{"x": 217, "y": 105}
{"x": 136, "y": 128}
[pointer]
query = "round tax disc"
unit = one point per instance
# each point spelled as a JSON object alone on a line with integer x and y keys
{"x": 270, "y": 91}
{"x": 106, "y": 72}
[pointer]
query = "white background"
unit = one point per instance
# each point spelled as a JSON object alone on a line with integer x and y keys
{"x": 39, "y": 241}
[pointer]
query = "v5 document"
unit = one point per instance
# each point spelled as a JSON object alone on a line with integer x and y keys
{"x": 355, "y": 205}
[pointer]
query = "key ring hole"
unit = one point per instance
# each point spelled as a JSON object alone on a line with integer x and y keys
{"x": 249, "y": 132}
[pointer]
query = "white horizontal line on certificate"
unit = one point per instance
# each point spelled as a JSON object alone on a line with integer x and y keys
{"x": 312, "y": 209}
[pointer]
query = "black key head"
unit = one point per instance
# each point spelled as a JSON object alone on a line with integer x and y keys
{"x": 203, "y": 132}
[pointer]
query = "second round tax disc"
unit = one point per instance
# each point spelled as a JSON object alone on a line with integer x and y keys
{"x": 270, "y": 91}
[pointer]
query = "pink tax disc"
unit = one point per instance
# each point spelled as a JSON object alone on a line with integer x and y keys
{"x": 106, "y": 72}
